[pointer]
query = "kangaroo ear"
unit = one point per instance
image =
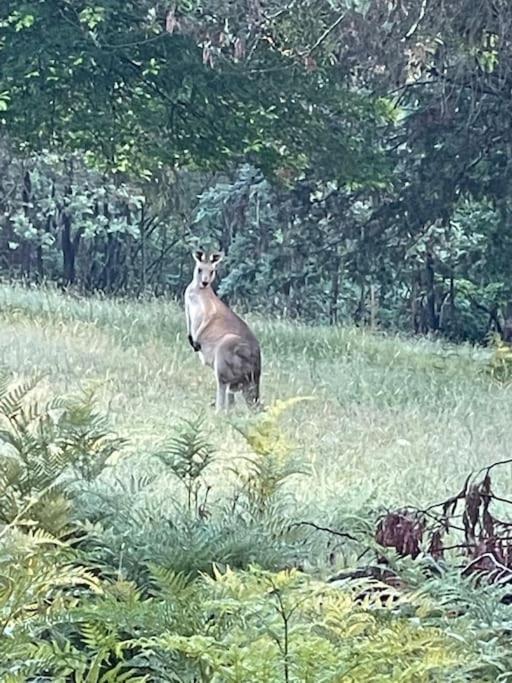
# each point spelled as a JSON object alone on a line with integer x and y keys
{"x": 216, "y": 257}
{"x": 199, "y": 256}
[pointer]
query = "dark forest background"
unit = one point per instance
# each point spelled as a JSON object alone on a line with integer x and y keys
{"x": 352, "y": 158}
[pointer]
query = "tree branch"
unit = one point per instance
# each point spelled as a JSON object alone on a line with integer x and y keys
{"x": 325, "y": 35}
{"x": 342, "y": 534}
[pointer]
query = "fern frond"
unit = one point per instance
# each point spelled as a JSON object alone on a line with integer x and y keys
{"x": 12, "y": 396}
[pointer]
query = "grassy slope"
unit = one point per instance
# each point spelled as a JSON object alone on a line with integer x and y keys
{"x": 393, "y": 420}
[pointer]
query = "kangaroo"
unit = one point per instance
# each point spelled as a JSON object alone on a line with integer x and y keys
{"x": 222, "y": 339}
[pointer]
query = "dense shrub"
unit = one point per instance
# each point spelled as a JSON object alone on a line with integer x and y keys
{"x": 99, "y": 583}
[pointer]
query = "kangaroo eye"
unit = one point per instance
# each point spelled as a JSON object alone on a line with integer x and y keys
{"x": 200, "y": 271}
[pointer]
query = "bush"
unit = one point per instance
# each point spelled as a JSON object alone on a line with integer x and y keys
{"x": 104, "y": 583}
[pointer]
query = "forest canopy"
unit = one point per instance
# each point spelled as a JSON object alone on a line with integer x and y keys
{"x": 351, "y": 157}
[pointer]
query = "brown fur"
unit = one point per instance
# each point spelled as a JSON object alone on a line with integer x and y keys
{"x": 225, "y": 341}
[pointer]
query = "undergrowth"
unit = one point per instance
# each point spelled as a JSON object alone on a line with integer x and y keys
{"x": 190, "y": 546}
{"x": 102, "y": 580}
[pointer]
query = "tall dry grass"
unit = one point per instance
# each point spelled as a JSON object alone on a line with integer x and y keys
{"x": 392, "y": 420}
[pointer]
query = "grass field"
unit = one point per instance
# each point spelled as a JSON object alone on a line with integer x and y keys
{"x": 392, "y": 420}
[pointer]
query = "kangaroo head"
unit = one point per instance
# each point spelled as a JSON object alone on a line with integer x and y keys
{"x": 206, "y": 267}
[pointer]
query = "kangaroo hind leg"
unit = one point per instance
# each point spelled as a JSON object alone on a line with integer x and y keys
{"x": 221, "y": 400}
{"x": 251, "y": 392}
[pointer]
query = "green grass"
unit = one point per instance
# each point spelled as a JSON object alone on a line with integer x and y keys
{"x": 393, "y": 420}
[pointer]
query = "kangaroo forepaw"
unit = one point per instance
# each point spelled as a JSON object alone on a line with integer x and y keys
{"x": 195, "y": 345}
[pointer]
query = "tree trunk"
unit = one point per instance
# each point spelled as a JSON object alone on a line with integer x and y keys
{"x": 452, "y": 300}
{"x": 415, "y": 316}
{"x": 26, "y": 248}
{"x": 106, "y": 275}
{"x": 374, "y": 304}
{"x": 507, "y": 325}
{"x": 143, "y": 258}
{"x": 68, "y": 250}
{"x": 335, "y": 291}
{"x": 431, "y": 314}
{"x": 359, "y": 313}
{"x": 40, "y": 264}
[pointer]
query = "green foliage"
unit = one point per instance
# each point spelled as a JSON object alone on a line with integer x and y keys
{"x": 236, "y": 530}
{"x": 149, "y": 585}
{"x": 344, "y": 180}
{"x": 156, "y": 80}
{"x": 187, "y": 455}
{"x": 45, "y": 448}
{"x": 271, "y": 461}
{"x": 308, "y": 631}
{"x": 40, "y": 581}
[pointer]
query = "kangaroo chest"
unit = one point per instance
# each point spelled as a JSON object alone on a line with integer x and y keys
{"x": 195, "y": 311}
{"x": 202, "y": 313}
